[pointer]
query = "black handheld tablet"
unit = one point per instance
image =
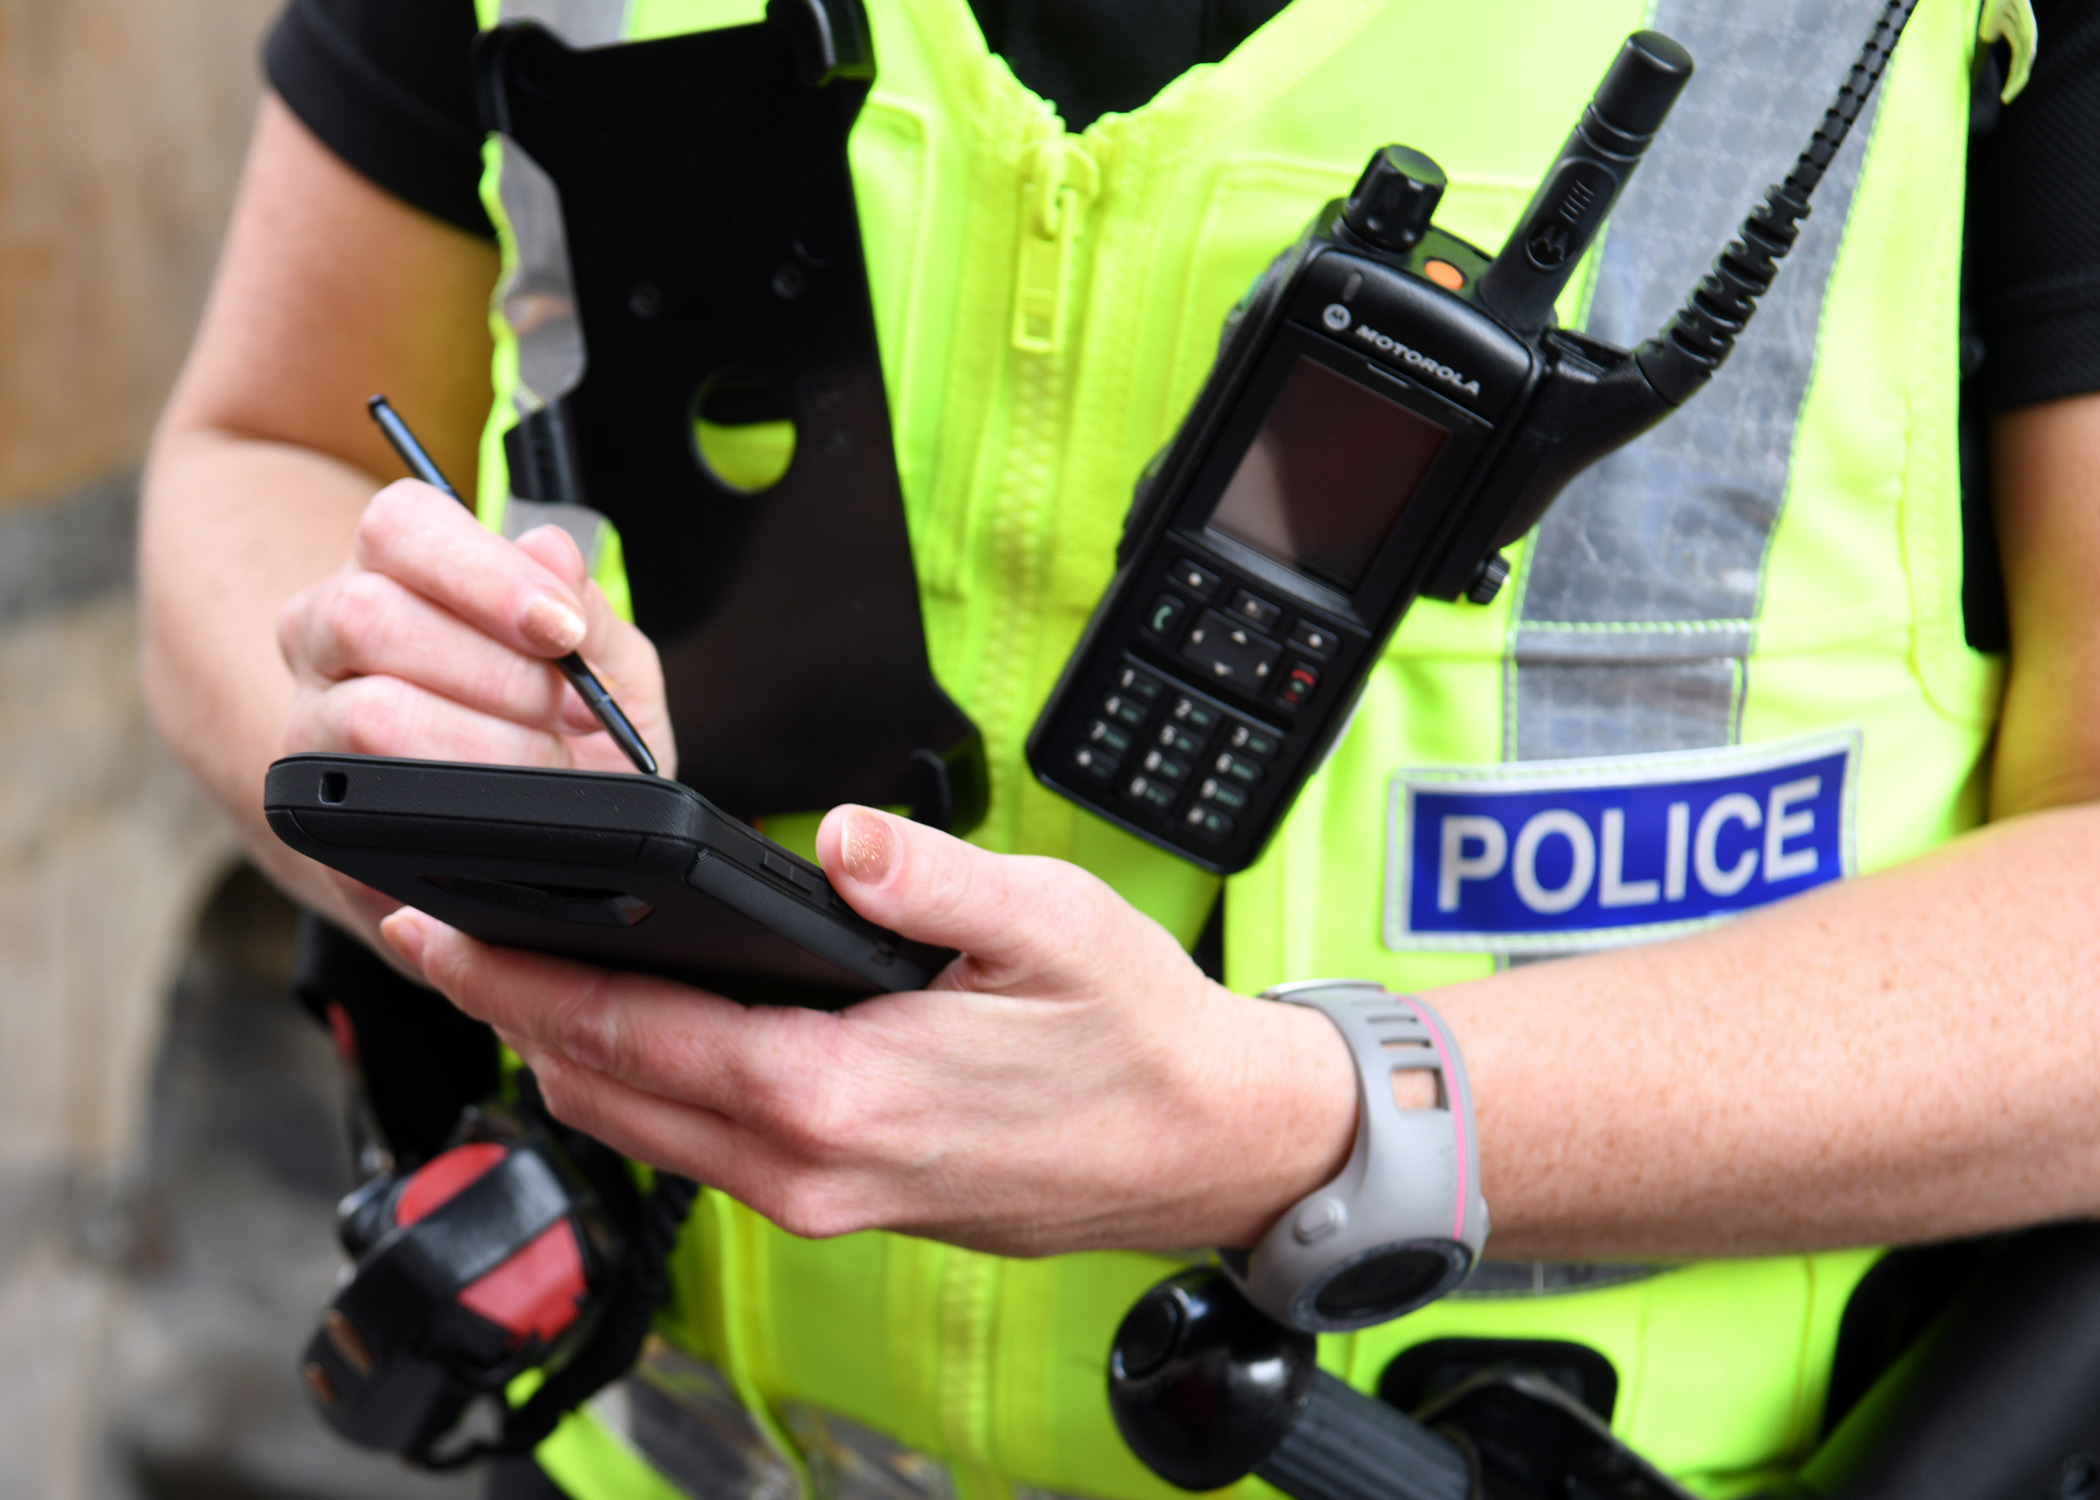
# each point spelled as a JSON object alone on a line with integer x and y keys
{"x": 631, "y": 872}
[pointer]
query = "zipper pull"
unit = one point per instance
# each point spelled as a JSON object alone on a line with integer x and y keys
{"x": 1062, "y": 182}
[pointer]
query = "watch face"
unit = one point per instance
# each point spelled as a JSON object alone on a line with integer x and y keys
{"x": 1389, "y": 1281}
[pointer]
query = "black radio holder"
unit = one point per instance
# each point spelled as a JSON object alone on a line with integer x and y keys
{"x": 715, "y": 256}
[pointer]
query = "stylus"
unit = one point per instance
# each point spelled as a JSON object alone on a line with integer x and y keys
{"x": 580, "y": 676}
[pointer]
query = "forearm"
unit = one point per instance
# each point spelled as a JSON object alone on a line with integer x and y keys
{"x": 1899, "y": 1057}
{"x": 231, "y": 528}
{"x": 327, "y": 291}
{"x": 1902, "y": 1057}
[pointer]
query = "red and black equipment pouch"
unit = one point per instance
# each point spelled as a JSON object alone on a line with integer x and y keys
{"x": 494, "y": 1257}
{"x": 488, "y": 1239}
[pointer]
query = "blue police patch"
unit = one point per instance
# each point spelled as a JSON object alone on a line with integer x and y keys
{"x": 1553, "y": 856}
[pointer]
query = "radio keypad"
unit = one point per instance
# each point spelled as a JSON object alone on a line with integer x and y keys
{"x": 1163, "y": 748}
{"x": 1153, "y": 793}
{"x": 1095, "y": 763}
{"x": 1181, "y": 762}
{"x": 1298, "y": 684}
{"x": 1165, "y": 766}
{"x": 1127, "y": 711}
{"x": 1113, "y": 741}
{"x": 1228, "y": 647}
{"x": 1313, "y": 639}
{"x": 1259, "y": 613}
{"x": 1196, "y": 715}
{"x": 1137, "y": 684}
{"x": 1173, "y": 737}
{"x": 1165, "y": 614}
{"x": 1230, "y": 653}
{"x": 1196, "y": 578}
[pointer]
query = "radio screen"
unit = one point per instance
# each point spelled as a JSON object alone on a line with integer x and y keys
{"x": 1327, "y": 476}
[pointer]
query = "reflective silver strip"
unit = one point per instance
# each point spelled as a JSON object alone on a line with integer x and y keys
{"x": 1502, "y": 1279}
{"x": 1626, "y": 703}
{"x": 586, "y": 527}
{"x": 1641, "y": 591}
{"x": 682, "y": 1417}
{"x": 537, "y": 296}
{"x": 580, "y": 23}
{"x": 849, "y": 1461}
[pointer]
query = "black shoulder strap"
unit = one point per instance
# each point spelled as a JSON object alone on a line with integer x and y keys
{"x": 421, "y": 1061}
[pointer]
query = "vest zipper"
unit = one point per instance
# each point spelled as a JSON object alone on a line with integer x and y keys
{"x": 1060, "y": 180}
{"x": 1063, "y": 180}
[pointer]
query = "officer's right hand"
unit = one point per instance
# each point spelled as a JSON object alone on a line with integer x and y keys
{"x": 437, "y": 641}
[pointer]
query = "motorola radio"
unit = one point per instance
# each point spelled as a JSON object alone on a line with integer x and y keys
{"x": 1390, "y": 407}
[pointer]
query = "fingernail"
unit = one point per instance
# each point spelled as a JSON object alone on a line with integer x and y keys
{"x": 550, "y": 624}
{"x": 406, "y": 935}
{"x": 869, "y": 848}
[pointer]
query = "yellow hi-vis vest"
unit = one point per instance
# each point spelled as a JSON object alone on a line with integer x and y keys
{"x": 1777, "y": 566}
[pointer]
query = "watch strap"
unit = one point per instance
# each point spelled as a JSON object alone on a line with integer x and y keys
{"x": 1405, "y": 1221}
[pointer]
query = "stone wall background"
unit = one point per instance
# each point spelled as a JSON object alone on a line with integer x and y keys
{"x": 122, "y": 124}
{"x": 168, "y": 1149}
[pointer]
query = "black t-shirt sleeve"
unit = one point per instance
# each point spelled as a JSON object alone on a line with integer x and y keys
{"x": 385, "y": 85}
{"x": 2034, "y": 221}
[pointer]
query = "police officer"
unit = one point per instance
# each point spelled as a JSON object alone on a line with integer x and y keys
{"x": 1734, "y": 667}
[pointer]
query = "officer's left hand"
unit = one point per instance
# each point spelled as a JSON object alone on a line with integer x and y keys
{"x": 1072, "y": 1081}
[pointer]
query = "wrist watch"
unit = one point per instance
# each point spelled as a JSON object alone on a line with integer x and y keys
{"x": 1405, "y": 1221}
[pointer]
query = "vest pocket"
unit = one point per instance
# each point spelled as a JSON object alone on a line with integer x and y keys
{"x": 1257, "y": 207}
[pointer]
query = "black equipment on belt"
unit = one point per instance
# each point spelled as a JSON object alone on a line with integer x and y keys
{"x": 486, "y": 1239}
{"x": 1997, "y": 1399}
{"x": 497, "y": 1256}
{"x": 1206, "y": 1389}
{"x": 1389, "y": 408}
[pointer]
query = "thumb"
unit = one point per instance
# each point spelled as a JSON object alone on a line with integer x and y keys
{"x": 1007, "y": 912}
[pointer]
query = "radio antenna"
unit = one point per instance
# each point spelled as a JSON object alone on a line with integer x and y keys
{"x": 1685, "y": 355}
{"x": 1592, "y": 410}
{"x": 1573, "y": 199}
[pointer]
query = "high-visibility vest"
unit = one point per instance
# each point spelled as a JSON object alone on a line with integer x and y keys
{"x": 1771, "y": 579}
